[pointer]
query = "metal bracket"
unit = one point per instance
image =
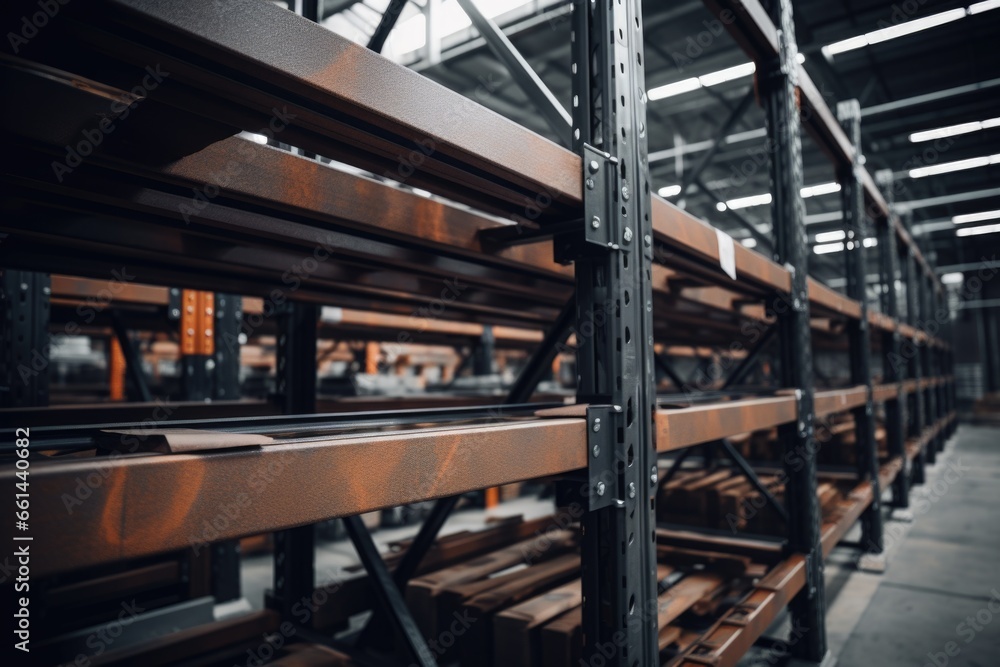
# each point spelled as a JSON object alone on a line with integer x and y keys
{"x": 600, "y": 198}
{"x": 602, "y": 478}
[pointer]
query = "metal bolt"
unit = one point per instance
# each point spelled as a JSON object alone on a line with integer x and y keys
{"x": 593, "y": 166}
{"x": 647, "y": 240}
{"x": 597, "y": 424}
{"x": 46, "y": 290}
{"x": 652, "y": 479}
{"x": 24, "y": 287}
{"x": 631, "y": 490}
{"x": 174, "y": 312}
{"x": 628, "y": 235}
{"x": 590, "y": 184}
{"x": 600, "y": 488}
{"x": 597, "y": 451}
{"x": 190, "y": 332}
{"x": 595, "y": 222}
{"x": 625, "y": 192}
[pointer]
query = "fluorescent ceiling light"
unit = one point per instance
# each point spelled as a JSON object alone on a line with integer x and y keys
{"x": 727, "y": 74}
{"x": 976, "y": 231}
{"x": 958, "y": 165}
{"x": 894, "y": 31}
{"x": 685, "y": 86}
{"x": 953, "y": 278}
{"x": 980, "y": 7}
{"x": 821, "y": 189}
{"x": 749, "y": 242}
{"x": 975, "y": 217}
{"x": 669, "y": 190}
{"x": 827, "y": 237}
{"x": 752, "y": 200}
{"x": 706, "y": 80}
{"x": 759, "y": 200}
{"x": 953, "y": 130}
{"x": 828, "y": 248}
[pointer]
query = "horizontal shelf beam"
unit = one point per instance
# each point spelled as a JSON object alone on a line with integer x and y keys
{"x": 682, "y": 427}
{"x": 113, "y": 508}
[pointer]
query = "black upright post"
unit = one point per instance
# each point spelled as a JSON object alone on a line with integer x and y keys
{"x": 858, "y": 233}
{"x": 926, "y": 367}
{"x": 893, "y": 368}
{"x": 778, "y": 83}
{"x": 226, "y": 386}
{"x": 613, "y": 256}
{"x": 916, "y": 409}
{"x": 24, "y": 359}
{"x": 294, "y": 549}
{"x": 228, "y": 321}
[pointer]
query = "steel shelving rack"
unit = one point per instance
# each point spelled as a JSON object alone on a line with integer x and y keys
{"x": 592, "y": 254}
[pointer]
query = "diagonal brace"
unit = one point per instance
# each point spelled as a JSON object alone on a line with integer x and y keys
{"x": 539, "y": 94}
{"x": 389, "y": 597}
{"x": 751, "y": 476}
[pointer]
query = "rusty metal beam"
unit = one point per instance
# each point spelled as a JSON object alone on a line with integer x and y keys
{"x": 682, "y": 427}
{"x": 839, "y": 400}
{"x": 140, "y": 505}
{"x": 728, "y": 640}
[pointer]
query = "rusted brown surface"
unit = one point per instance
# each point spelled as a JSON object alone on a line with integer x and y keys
{"x": 681, "y": 427}
{"x": 102, "y": 510}
{"x": 677, "y": 228}
{"x": 832, "y": 300}
{"x": 885, "y": 392}
{"x": 272, "y": 47}
{"x": 731, "y": 636}
{"x": 84, "y": 288}
{"x": 757, "y": 36}
{"x": 838, "y": 400}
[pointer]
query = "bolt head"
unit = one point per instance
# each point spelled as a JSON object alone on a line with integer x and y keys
{"x": 590, "y": 184}
{"x": 628, "y": 235}
{"x": 597, "y": 451}
{"x": 595, "y": 222}
{"x": 647, "y": 240}
{"x": 600, "y": 488}
{"x": 593, "y": 166}
{"x": 631, "y": 490}
{"x": 597, "y": 425}
{"x": 625, "y": 192}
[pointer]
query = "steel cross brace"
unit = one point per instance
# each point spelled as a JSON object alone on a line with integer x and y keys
{"x": 409, "y": 564}
{"x": 536, "y": 90}
{"x": 133, "y": 364}
{"x": 389, "y": 596}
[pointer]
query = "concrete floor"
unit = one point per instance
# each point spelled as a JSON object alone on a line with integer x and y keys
{"x": 943, "y": 570}
{"x": 942, "y": 573}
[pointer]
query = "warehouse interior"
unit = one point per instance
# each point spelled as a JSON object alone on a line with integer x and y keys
{"x": 510, "y": 333}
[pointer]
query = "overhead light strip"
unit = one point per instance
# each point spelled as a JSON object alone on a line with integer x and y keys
{"x": 906, "y": 28}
